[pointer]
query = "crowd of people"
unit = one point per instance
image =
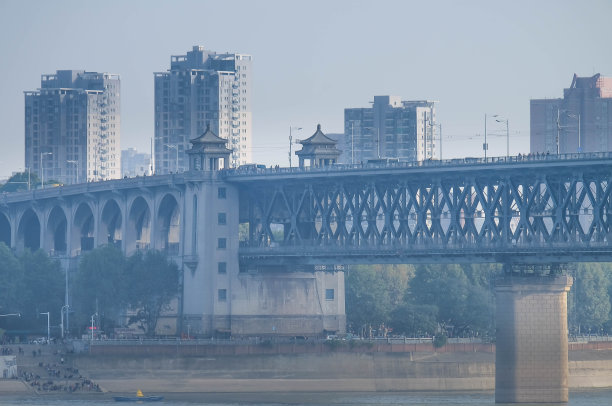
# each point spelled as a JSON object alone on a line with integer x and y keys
{"x": 59, "y": 379}
{"x": 55, "y": 376}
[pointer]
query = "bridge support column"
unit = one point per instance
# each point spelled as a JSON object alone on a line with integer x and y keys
{"x": 531, "y": 364}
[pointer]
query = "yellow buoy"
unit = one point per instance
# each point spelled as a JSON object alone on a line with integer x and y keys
{"x": 139, "y": 393}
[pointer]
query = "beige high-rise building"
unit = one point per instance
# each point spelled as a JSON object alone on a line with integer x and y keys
{"x": 73, "y": 127}
{"x": 202, "y": 88}
{"x": 579, "y": 122}
{"x": 391, "y": 128}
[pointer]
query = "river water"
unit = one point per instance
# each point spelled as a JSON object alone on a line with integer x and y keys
{"x": 583, "y": 398}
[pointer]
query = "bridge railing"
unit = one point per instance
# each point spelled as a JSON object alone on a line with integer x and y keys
{"x": 256, "y": 170}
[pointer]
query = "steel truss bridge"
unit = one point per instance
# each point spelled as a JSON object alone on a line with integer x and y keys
{"x": 517, "y": 210}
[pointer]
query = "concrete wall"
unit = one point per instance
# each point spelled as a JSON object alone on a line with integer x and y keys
{"x": 532, "y": 348}
{"x": 320, "y": 372}
{"x": 246, "y": 303}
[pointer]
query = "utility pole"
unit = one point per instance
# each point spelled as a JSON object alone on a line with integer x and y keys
{"x": 440, "y": 141}
{"x": 352, "y": 143}
{"x": 485, "y": 146}
{"x": 291, "y": 141}
{"x": 507, "y": 140}
{"x": 558, "y": 130}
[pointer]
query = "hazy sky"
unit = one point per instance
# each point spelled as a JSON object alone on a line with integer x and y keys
{"x": 312, "y": 59}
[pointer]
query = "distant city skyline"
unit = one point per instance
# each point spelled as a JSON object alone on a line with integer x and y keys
{"x": 312, "y": 60}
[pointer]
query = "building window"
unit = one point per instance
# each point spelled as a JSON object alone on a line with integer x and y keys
{"x": 222, "y": 294}
{"x": 329, "y": 294}
{"x": 221, "y": 193}
{"x": 221, "y": 243}
{"x": 221, "y": 219}
{"x": 222, "y": 267}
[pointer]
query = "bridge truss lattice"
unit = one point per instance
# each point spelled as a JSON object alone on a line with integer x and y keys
{"x": 533, "y": 212}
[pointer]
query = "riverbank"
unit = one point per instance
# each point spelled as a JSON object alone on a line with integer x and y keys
{"x": 123, "y": 373}
{"x": 330, "y": 372}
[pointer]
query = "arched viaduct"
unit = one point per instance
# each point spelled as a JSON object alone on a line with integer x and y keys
{"x": 193, "y": 218}
{"x": 295, "y": 222}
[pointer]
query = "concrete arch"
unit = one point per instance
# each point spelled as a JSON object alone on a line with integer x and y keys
{"x": 56, "y": 233}
{"x": 111, "y": 224}
{"x": 169, "y": 224}
{"x": 138, "y": 226}
{"x": 83, "y": 228}
{"x": 28, "y": 231}
{"x": 5, "y": 229}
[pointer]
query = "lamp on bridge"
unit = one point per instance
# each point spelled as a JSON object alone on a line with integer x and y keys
{"x": 291, "y": 141}
{"x": 42, "y": 169}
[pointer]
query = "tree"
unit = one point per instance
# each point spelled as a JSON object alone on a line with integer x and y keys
{"x": 100, "y": 286}
{"x": 42, "y": 289}
{"x": 444, "y": 287}
{"x": 414, "y": 320}
{"x": 153, "y": 281}
{"x": 20, "y": 181}
{"x": 373, "y": 292}
{"x": 11, "y": 279}
{"x": 591, "y": 298}
{"x": 462, "y": 304}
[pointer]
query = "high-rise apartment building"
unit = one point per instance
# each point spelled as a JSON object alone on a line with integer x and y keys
{"x": 134, "y": 163}
{"x": 391, "y": 128}
{"x": 202, "y": 88}
{"x": 73, "y": 127}
{"x": 579, "y": 122}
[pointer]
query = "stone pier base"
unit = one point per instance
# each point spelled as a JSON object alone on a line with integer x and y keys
{"x": 531, "y": 364}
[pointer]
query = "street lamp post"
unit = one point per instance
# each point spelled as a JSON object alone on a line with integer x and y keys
{"x": 48, "y": 328}
{"x": 92, "y": 324}
{"x": 485, "y": 146}
{"x": 505, "y": 120}
{"x": 291, "y": 141}
{"x": 76, "y": 162}
{"x": 175, "y": 146}
{"x": 352, "y": 143}
{"x": 433, "y": 125}
{"x": 42, "y": 169}
{"x": 377, "y": 140}
{"x": 559, "y": 127}
{"x": 64, "y": 308}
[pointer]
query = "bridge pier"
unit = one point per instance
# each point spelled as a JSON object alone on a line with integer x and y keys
{"x": 531, "y": 364}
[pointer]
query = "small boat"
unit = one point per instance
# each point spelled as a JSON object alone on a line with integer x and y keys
{"x": 138, "y": 398}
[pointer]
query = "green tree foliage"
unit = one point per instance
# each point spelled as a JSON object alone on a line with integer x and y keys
{"x": 445, "y": 287}
{"x": 11, "y": 277}
{"x": 419, "y": 302}
{"x": 42, "y": 287}
{"x": 590, "y": 299}
{"x": 372, "y": 292}
{"x": 153, "y": 282}
{"x": 100, "y": 286}
{"x": 414, "y": 320}
{"x": 19, "y": 182}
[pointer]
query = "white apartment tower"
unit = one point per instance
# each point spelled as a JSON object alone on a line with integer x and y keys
{"x": 201, "y": 89}
{"x": 73, "y": 127}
